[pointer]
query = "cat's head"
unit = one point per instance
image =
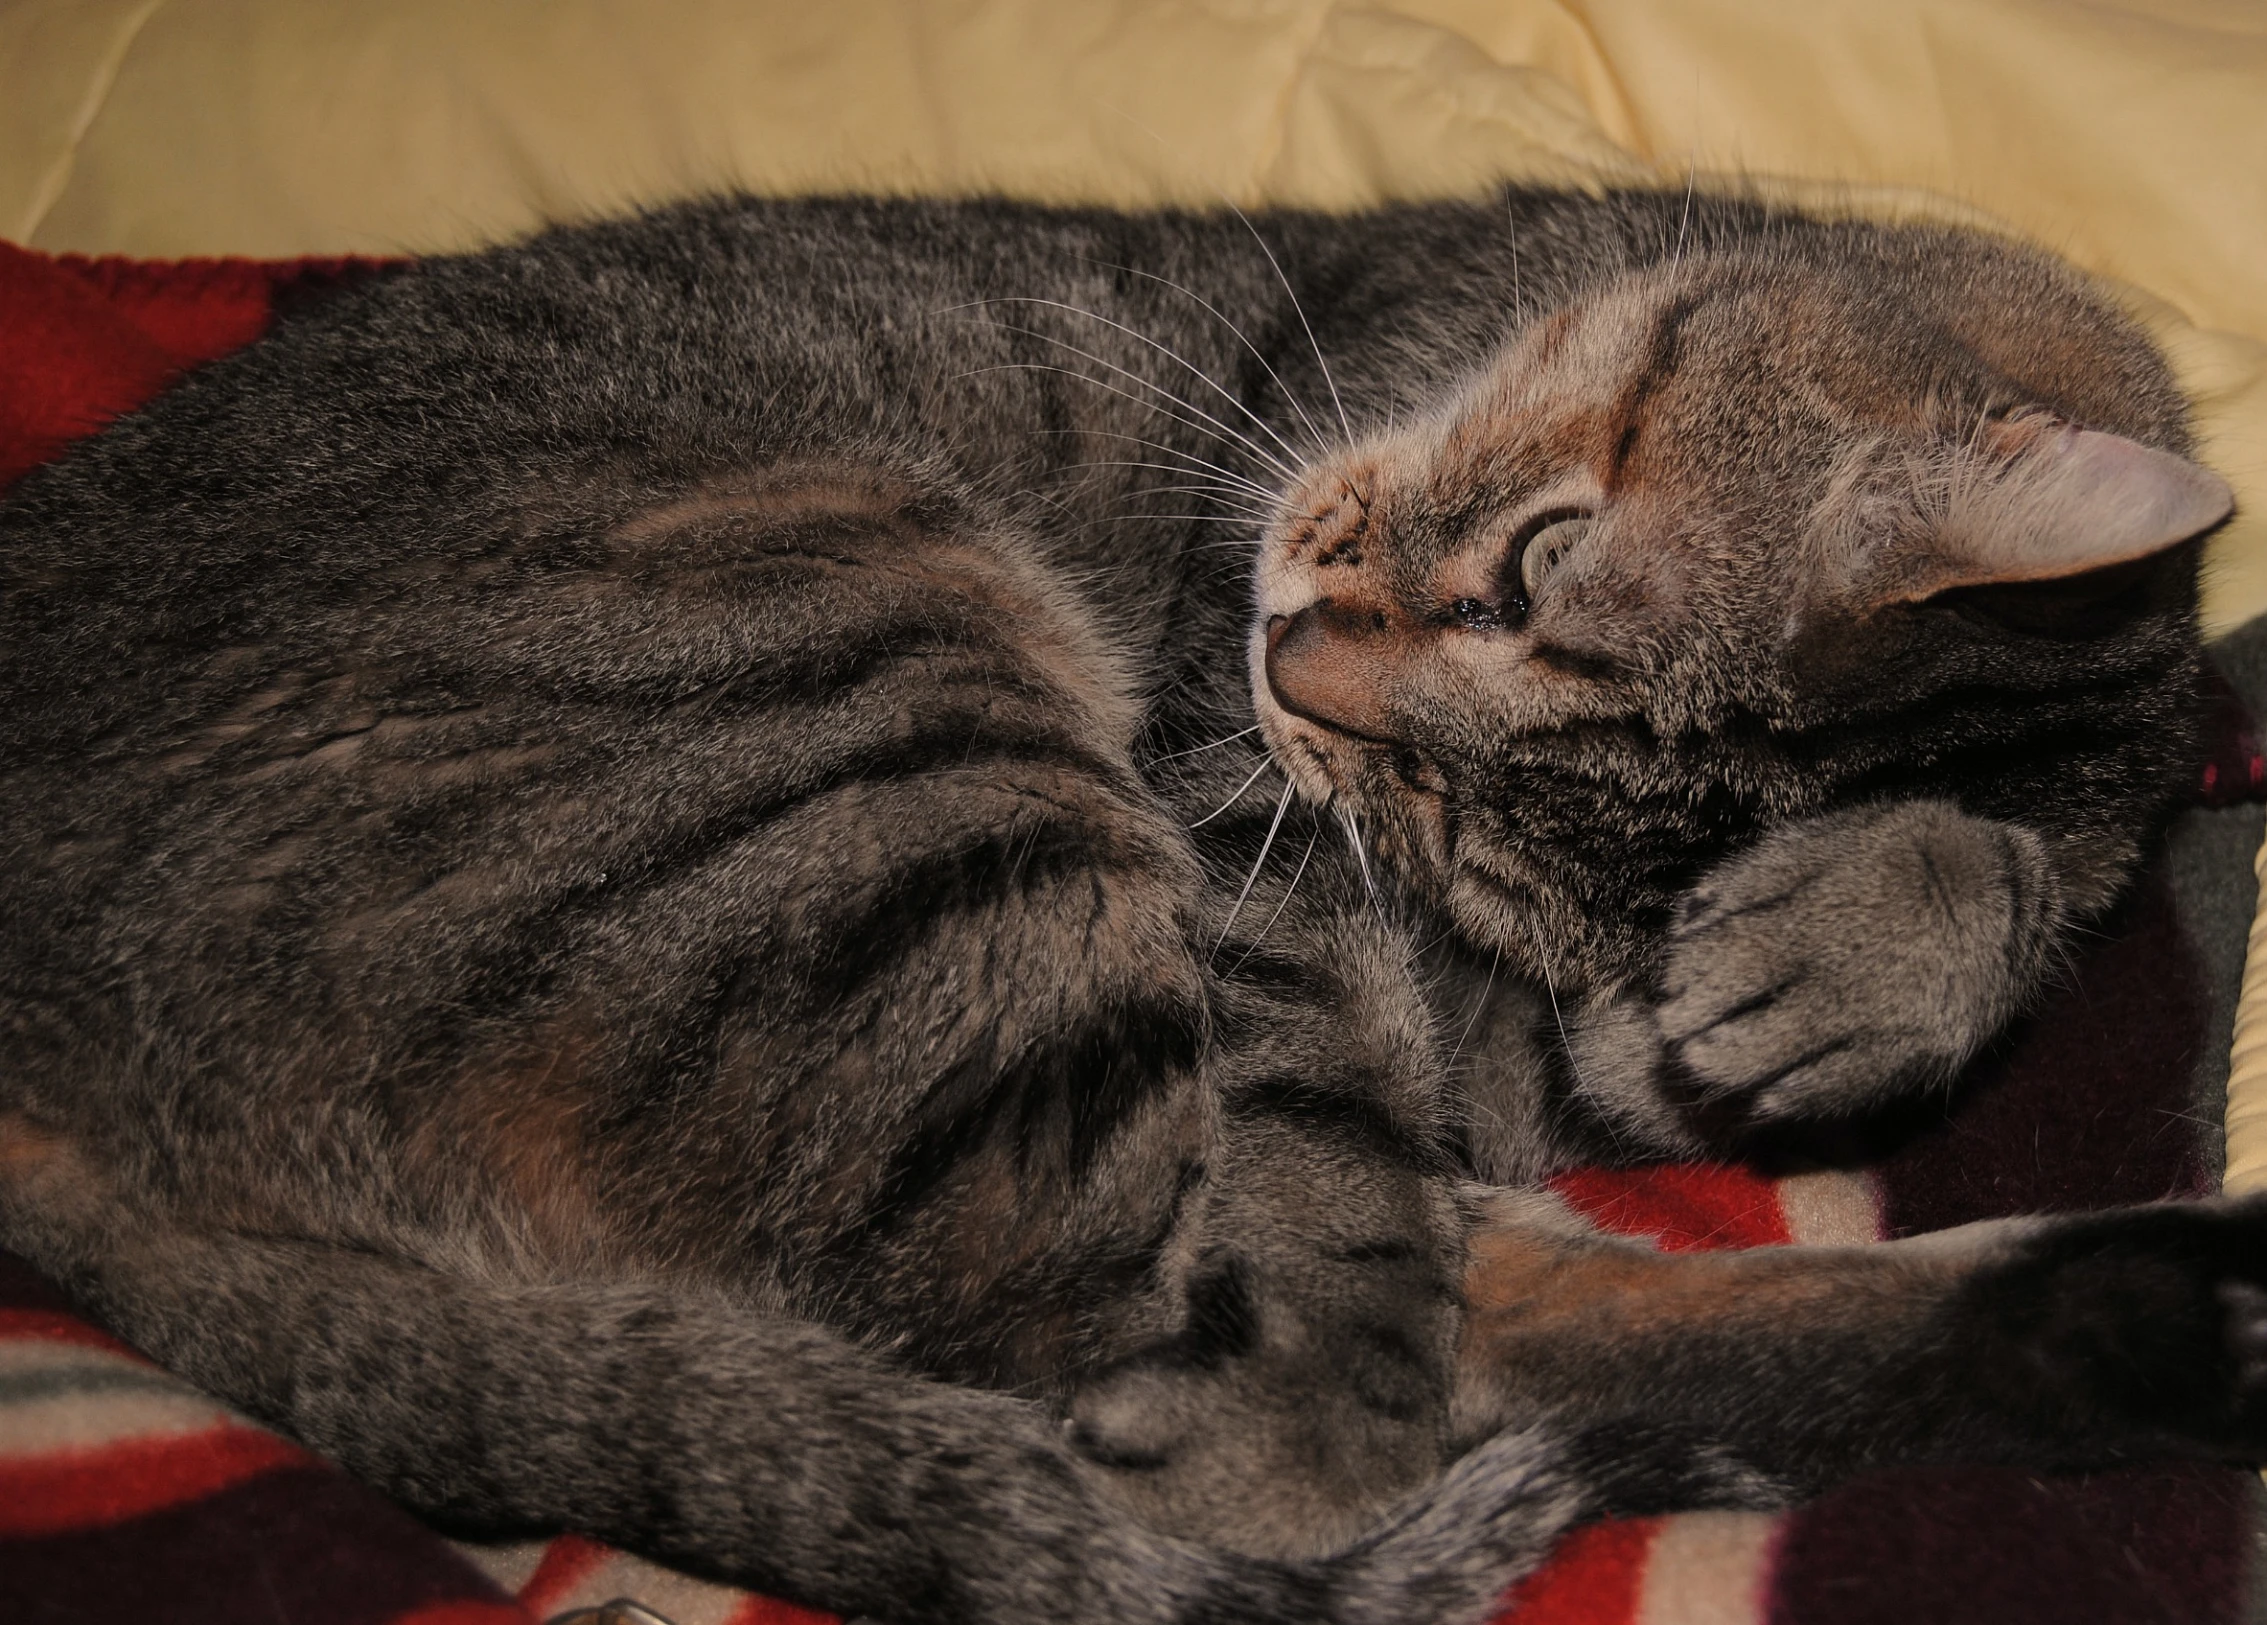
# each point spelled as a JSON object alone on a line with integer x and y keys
{"x": 1734, "y": 541}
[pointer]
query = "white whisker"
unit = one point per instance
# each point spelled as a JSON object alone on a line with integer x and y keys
{"x": 1232, "y": 433}
{"x": 1362, "y": 861}
{"x": 1228, "y": 479}
{"x": 1692, "y": 174}
{"x": 1102, "y": 384}
{"x": 1238, "y": 796}
{"x": 1478, "y": 1005}
{"x": 1251, "y": 524}
{"x": 1170, "y": 354}
{"x": 1301, "y": 310}
{"x": 1282, "y": 806}
{"x": 1186, "y": 456}
{"x": 1054, "y": 502}
{"x": 1296, "y": 875}
{"x": 1566, "y": 1039}
{"x": 1511, "y": 223}
{"x": 1256, "y": 353}
{"x": 1194, "y": 750}
{"x": 1225, "y": 498}
{"x": 1214, "y": 487}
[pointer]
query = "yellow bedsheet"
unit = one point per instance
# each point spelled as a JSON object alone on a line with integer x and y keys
{"x": 2131, "y": 136}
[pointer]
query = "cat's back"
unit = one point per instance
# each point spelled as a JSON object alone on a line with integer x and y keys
{"x": 440, "y": 710}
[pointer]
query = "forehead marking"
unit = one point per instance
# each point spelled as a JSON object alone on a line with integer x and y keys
{"x": 1660, "y": 364}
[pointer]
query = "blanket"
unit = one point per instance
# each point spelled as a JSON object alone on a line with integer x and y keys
{"x": 125, "y": 1495}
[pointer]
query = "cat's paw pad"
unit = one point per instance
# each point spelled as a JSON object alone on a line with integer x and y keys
{"x": 1844, "y": 961}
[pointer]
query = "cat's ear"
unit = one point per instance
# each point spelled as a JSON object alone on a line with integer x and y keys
{"x": 2037, "y": 499}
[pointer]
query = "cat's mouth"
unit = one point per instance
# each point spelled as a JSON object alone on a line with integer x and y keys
{"x": 1321, "y": 712}
{"x": 1321, "y": 688}
{"x": 1334, "y": 652}
{"x": 1328, "y": 642}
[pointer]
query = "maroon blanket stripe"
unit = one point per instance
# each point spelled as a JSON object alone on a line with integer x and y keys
{"x": 2157, "y": 1546}
{"x": 300, "y": 1543}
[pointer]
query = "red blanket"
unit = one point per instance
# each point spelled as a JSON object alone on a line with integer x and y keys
{"x": 125, "y": 1496}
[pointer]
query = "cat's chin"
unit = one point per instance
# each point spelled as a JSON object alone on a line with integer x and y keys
{"x": 1305, "y": 756}
{"x": 1532, "y": 929}
{"x": 1400, "y": 823}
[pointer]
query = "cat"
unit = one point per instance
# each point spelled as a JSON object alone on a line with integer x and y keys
{"x": 902, "y": 899}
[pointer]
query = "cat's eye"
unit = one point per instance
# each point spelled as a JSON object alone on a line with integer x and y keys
{"x": 1544, "y": 541}
{"x": 1536, "y": 548}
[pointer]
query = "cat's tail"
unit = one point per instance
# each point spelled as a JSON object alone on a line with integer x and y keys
{"x": 750, "y": 1448}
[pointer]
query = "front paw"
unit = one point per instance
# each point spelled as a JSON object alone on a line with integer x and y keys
{"x": 1847, "y": 960}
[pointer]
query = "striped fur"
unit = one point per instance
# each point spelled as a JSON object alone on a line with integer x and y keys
{"x": 680, "y": 841}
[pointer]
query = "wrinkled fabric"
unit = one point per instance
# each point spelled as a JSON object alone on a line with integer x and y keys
{"x": 2128, "y": 136}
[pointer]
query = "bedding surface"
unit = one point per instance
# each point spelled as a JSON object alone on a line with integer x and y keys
{"x": 127, "y": 1496}
{"x": 2125, "y": 135}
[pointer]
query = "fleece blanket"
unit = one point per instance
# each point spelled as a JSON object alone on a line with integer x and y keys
{"x": 127, "y": 1496}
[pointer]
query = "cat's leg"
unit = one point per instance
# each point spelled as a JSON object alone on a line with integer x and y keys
{"x": 1839, "y": 964}
{"x": 758, "y": 1449}
{"x": 1302, "y": 1386}
{"x": 1305, "y": 1384}
{"x": 2059, "y": 1342}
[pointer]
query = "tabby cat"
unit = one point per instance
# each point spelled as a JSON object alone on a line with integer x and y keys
{"x": 901, "y": 900}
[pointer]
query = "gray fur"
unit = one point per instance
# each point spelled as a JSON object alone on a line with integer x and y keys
{"x": 638, "y": 865}
{"x": 1768, "y": 997}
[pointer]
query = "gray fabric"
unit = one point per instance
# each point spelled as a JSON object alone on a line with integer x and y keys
{"x": 2208, "y": 861}
{"x": 2241, "y": 657}
{"x": 2209, "y": 855}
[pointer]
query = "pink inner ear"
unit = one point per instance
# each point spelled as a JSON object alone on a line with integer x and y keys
{"x": 2071, "y": 501}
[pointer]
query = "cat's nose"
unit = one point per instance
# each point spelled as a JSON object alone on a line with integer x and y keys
{"x": 1332, "y": 664}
